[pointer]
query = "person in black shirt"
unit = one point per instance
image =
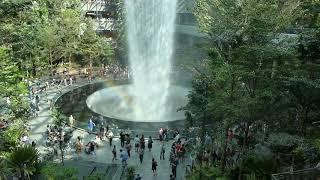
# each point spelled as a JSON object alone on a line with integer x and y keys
{"x": 142, "y": 142}
{"x": 154, "y": 165}
{"x": 174, "y": 165}
{"x": 122, "y": 138}
{"x": 101, "y": 132}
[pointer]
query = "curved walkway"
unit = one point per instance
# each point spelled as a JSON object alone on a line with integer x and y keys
{"x": 103, "y": 152}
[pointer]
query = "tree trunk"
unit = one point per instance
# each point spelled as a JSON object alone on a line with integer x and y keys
{"x": 273, "y": 71}
{"x": 34, "y": 68}
{"x": 69, "y": 62}
{"x": 305, "y": 120}
{"x": 302, "y": 117}
{"x": 243, "y": 149}
{"x": 224, "y": 154}
{"x": 203, "y": 133}
{"x": 50, "y": 62}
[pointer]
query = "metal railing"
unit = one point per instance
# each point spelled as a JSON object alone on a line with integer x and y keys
{"x": 93, "y": 170}
{"x": 304, "y": 174}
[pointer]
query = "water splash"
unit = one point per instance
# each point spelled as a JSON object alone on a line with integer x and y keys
{"x": 150, "y": 31}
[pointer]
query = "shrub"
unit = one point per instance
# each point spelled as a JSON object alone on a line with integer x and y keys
{"x": 54, "y": 171}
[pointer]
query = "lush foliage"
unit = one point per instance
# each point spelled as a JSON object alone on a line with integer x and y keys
{"x": 130, "y": 174}
{"x": 53, "y": 171}
{"x": 23, "y": 161}
{"x": 257, "y": 80}
{"x": 42, "y": 33}
{"x": 37, "y": 35}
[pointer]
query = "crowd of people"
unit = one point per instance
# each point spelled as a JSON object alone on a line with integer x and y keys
{"x": 124, "y": 151}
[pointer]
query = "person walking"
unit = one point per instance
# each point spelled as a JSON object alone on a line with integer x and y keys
{"x": 162, "y": 151}
{"x": 142, "y": 142}
{"x": 122, "y": 138}
{"x": 136, "y": 143}
{"x": 114, "y": 153}
{"x": 141, "y": 152}
{"x": 110, "y": 137}
{"x": 78, "y": 146}
{"x": 150, "y": 143}
{"x": 124, "y": 157}
{"x": 154, "y": 165}
{"x": 128, "y": 147}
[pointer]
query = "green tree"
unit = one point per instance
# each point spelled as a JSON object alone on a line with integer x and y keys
{"x": 50, "y": 39}
{"x": 242, "y": 55}
{"x": 69, "y": 22}
{"x": 11, "y": 84}
{"x": 93, "y": 47}
{"x": 4, "y": 169}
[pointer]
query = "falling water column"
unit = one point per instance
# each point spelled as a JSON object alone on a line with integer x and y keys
{"x": 150, "y": 31}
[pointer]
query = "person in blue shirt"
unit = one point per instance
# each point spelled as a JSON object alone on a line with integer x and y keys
{"x": 91, "y": 125}
{"x": 124, "y": 157}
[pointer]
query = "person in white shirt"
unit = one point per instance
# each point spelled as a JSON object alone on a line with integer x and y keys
{"x": 136, "y": 143}
{"x": 71, "y": 120}
{"x": 110, "y": 136}
{"x": 25, "y": 139}
{"x": 176, "y": 139}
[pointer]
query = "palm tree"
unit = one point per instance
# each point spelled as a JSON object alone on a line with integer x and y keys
{"x": 22, "y": 161}
{"x": 4, "y": 169}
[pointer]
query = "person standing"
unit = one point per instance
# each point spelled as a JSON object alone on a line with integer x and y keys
{"x": 174, "y": 165}
{"x": 65, "y": 81}
{"x": 161, "y": 134}
{"x": 101, "y": 131}
{"x": 141, "y": 152}
{"x": 71, "y": 120}
{"x": 177, "y": 137}
{"x": 91, "y": 125}
{"x": 154, "y": 165}
{"x": 71, "y": 80}
{"x": 78, "y": 146}
{"x": 150, "y": 143}
{"x": 37, "y": 101}
{"x": 162, "y": 151}
{"x": 114, "y": 153}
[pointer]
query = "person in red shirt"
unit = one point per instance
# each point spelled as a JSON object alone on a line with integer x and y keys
{"x": 230, "y": 135}
{"x": 178, "y": 147}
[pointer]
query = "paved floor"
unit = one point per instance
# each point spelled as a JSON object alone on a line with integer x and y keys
{"x": 103, "y": 152}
